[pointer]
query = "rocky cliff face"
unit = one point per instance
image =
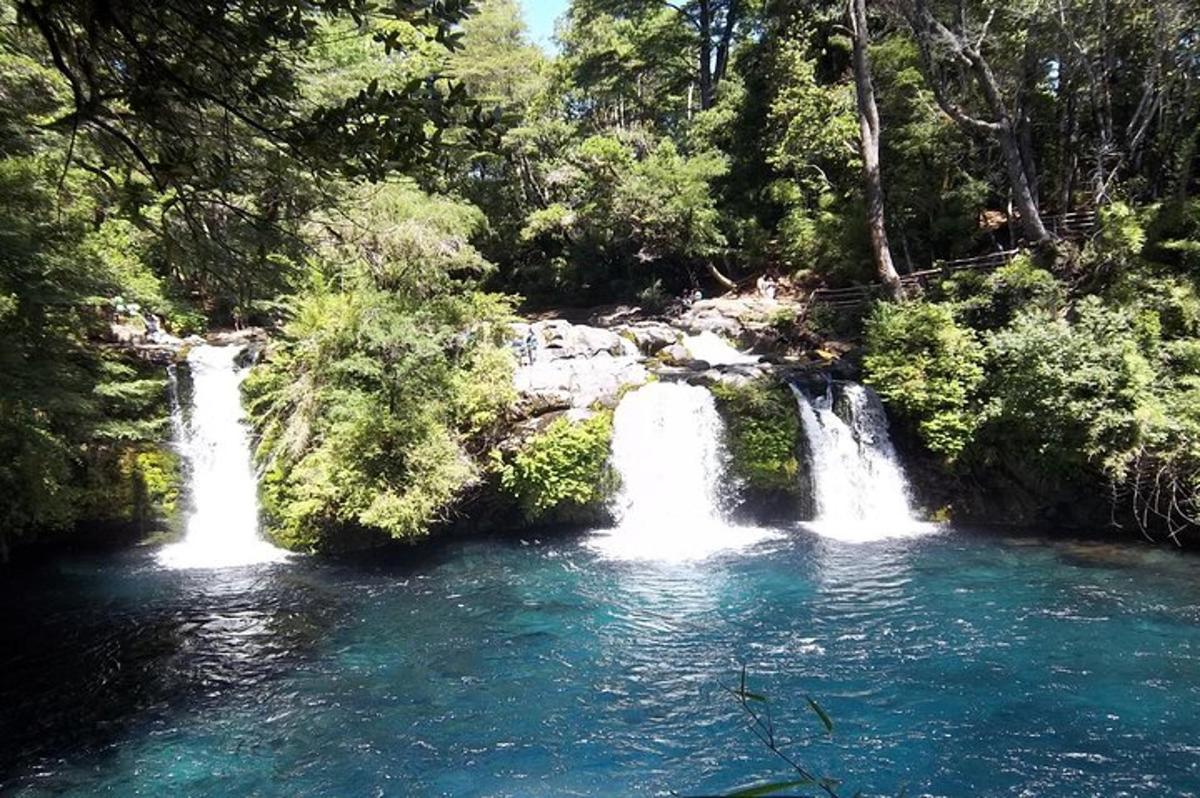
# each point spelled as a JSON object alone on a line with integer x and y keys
{"x": 577, "y": 371}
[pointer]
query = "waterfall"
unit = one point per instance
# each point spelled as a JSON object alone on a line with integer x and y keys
{"x": 715, "y": 351}
{"x": 668, "y": 451}
{"x": 859, "y": 489}
{"x": 222, "y": 529}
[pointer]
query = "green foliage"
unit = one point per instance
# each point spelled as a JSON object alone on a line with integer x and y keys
{"x": 991, "y": 300}
{"x": 763, "y": 430}
{"x": 389, "y": 372}
{"x": 71, "y": 415}
{"x": 928, "y": 368}
{"x": 629, "y": 218}
{"x": 1172, "y": 236}
{"x": 1077, "y": 391}
{"x": 564, "y": 470}
{"x": 134, "y": 486}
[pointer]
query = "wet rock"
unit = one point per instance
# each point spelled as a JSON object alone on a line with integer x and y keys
{"x": 676, "y": 355}
{"x": 746, "y": 319}
{"x": 245, "y": 336}
{"x": 650, "y": 337}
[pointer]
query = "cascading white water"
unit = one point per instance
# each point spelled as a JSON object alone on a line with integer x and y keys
{"x": 714, "y": 350}
{"x": 222, "y": 530}
{"x": 859, "y": 489}
{"x": 668, "y": 451}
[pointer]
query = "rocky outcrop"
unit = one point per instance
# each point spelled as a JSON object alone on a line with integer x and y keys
{"x": 745, "y": 319}
{"x": 564, "y": 367}
{"x": 650, "y": 337}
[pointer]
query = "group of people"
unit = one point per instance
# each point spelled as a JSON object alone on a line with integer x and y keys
{"x": 767, "y": 286}
{"x": 526, "y": 348}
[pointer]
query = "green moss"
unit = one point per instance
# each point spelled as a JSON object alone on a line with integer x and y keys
{"x": 564, "y": 471}
{"x": 763, "y": 427}
{"x": 293, "y": 524}
{"x": 134, "y": 485}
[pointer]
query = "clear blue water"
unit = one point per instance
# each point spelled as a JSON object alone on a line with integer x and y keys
{"x": 959, "y": 664}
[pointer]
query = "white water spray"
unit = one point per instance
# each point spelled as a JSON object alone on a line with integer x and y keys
{"x": 667, "y": 449}
{"x": 859, "y": 489}
{"x": 716, "y": 351}
{"x": 222, "y": 530}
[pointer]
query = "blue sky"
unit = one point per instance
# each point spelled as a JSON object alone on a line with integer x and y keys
{"x": 540, "y": 16}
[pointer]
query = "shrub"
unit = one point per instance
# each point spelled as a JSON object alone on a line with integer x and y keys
{"x": 1074, "y": 392}
{"x": 375, "y": 402}
{"x": 563, "y": 471}
{"x": 991, "y": 301}
{"x": 928, "y": 369}
{"x": 762, "y": 427}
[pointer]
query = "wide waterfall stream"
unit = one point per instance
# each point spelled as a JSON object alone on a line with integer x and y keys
{"x": 858, "y": 485}
{"x": 668, "y": 451}
{"x": 222, "y": 529}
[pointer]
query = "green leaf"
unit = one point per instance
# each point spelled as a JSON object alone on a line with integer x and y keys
{"x": 826, "y": 721}
{"x": 746, "y": 694}
{"x": 770, "y": 789}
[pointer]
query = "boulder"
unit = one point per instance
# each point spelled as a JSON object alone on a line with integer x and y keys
{"x": 650, "y": 337}
{"x": 571, "y": 367}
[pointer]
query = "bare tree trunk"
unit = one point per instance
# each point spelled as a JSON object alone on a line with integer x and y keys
{"x": 706, "y": 56}
{"x": 1022, "y": 188}
{"x": 732, "y": 14}
{"x": 729, "y": 285}
{"x": 869, "y": 132}
{"x": 933, "y": 36}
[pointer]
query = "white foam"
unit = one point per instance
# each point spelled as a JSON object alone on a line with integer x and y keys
{"x": 668, "y": 451}
{"x": 714, "y": 350}
{"x": 872, "y": 531}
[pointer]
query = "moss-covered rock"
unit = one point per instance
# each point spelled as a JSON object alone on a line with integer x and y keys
{"x": 135, "y": 489}
{"x": 763, "y": 429}
{"x": 562, "y": 475}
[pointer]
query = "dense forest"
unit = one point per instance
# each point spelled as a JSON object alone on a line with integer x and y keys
{"x": 387, "y": 185}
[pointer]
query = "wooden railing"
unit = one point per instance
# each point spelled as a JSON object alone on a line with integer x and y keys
{"x": 1071, "y": 226}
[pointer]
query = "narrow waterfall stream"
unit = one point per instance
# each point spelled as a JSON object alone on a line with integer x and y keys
{"x": 859, "y": 488}
{"x": 222, "y": 530}
{"x": 669, "y": 453}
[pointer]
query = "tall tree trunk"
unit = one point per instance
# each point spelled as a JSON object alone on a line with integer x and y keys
{"x": 1022, "y": 187}
{"x": 868, "y": 126}
{"x": 706, "y": 55}
{"x": 732, "y": 14}
{"x": 934, "y": 39}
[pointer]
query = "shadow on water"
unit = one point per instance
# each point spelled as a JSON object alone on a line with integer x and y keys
{"x": 91, "y": 646}
{"x": 95, "y": 644}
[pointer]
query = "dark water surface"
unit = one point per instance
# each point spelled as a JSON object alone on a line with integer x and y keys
{"x": 955, "y": 664}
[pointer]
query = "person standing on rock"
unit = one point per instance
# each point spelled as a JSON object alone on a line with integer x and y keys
{"x": 531, "y": 346}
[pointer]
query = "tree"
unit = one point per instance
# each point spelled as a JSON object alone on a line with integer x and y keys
{"x": 171, "y": 86}
{"x": 711, "y": 27}
{"x": 869, "y": 134}
{"x": 953, "y": 55}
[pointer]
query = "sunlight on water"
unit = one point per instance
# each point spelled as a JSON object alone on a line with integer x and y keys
{"x": 222, "y": 531}
{"x": 668, "y": 451}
